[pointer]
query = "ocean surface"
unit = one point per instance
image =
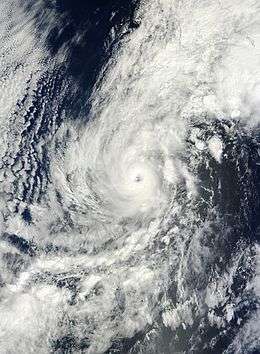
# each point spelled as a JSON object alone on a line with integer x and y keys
{"x": 129, "y": 177}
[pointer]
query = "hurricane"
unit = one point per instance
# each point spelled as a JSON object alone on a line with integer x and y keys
{"x": 129, "y": 177}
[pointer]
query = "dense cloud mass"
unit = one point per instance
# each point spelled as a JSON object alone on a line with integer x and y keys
{"x": 129, "y": 177}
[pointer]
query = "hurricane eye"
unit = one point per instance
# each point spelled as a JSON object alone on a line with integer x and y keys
{"x": 138, "y": 178}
